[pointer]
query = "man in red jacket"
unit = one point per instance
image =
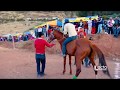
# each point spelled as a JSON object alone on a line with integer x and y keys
{"x": 40, "y": 44}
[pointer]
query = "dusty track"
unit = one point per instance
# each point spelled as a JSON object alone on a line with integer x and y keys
{"x": 20, "y": 64}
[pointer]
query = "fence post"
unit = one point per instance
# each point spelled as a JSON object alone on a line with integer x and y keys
{"x": 13, "y": 42}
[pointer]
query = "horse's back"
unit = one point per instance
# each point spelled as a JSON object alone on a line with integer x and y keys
{"x": 82, "y": 42}
{"x": 78, "y": 44}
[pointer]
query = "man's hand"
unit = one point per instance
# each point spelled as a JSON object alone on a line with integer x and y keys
{"x": 66, "y": 35}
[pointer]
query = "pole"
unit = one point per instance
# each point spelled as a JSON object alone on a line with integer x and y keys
{"x": 13, "y": 42}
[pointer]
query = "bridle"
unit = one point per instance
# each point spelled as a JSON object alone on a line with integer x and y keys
{"x": 53, "y": 37}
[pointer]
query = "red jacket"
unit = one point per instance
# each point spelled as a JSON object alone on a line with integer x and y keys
{"x": 40, "y": 45}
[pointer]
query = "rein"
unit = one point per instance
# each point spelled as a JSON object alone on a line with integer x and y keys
{"x": 59, "y": 40}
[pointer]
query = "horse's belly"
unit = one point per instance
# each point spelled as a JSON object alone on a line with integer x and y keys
{"x": 71, "y": 47}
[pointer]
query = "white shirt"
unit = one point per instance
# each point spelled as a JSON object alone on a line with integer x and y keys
{"x": 110, "y": 24}
{"x": 70, "y": 29}
{"x": 79, "y": 28}
{"x": 89, "y": 22}
{"x": 39, "y": 29}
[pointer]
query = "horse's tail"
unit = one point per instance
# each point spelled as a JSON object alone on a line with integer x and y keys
{"x": 101, "y": 57}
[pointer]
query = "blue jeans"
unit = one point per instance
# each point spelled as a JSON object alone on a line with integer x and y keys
{"x": 69, "y": 39}
{"x": 87, "y": 61}
{"x": 106, "y": 29}
{"x": 40, "y": 58}
{"x": 99, "y": 28}
{"x": 117, "y": 32}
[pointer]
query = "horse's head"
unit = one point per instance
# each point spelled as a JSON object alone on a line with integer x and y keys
{"x": 51, "y": 37}
{"x": 55, "y": 34}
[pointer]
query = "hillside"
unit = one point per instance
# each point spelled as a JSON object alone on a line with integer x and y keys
{"x": 10, "y": 20}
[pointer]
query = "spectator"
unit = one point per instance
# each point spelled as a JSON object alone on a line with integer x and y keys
{"x": 115, "y": 25}
{"x": 110, "y": 25}
{"x": 94, "y": 26}
{"x": 81, "y": 23}
{"x": 36, "y": 31}
{"x": 117, "y": 31}
{"x": 81, "y": 33}
{"x": 49, "y": 31}
{"x": 89, "y": 25}
{"x": 86, "y": 27}
{"x": 100, "y": 22}
{"x": 105, "y": 26}
{"x": 44, "y": 30}
{"x": 39, "y": 30}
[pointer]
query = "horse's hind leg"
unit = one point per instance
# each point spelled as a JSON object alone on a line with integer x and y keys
{"x": 70, "y": 64}
{"x": 94, "y": 65}
{"x": 64, "y": 70}
{"x": 78, "y": 66}
{"x": 82, "y": 62}
{"x": 75, "y": 62}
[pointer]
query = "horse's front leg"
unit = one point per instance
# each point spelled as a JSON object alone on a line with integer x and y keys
{"x": 64, "y": 70}
{"x": 70, "y": 64}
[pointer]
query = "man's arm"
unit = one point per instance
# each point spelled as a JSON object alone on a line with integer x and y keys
{"x": 65, "y": 30}
{"x": 35, "y": 43}
{"x": 48, "y": 44}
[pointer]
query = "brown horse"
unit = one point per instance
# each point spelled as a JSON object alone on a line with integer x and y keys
{"x": 80, "y": 48}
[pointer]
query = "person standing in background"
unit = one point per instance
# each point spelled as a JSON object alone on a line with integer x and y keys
{"x": 89, "y": 25}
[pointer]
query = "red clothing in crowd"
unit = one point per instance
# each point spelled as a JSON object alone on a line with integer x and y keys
{"x": 40, "y": 45}
{"x": 81, "y": 33}
{"x": 86, "y": 26}
{"x": 93, "y": 30}
{"x": 49, "y": 31}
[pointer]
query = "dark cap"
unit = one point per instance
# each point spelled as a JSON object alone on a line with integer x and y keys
{"x": 66, "y": 21}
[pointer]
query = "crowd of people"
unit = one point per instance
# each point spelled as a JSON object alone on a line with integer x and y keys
{"x": 23, "y": 37}
{"x": 95, "y": 26}
{"x": 111, "y": 26}
{"x": 46, "y": 31}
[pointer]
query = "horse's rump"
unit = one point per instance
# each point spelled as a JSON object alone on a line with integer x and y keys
{"x": 81, "y": 43}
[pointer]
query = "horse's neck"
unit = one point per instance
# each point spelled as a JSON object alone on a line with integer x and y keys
{"x": 61, "y": 40}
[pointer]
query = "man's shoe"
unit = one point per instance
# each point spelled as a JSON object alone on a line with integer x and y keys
{"x": 63, "y": 55}
{"x": 42, "y": 74}
{"x": 38, "y": 75}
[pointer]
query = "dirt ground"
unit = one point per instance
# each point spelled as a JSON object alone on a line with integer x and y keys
{"x": 20, "y": 64}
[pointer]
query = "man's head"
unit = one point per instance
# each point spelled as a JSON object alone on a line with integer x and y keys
{"x": 110, "y": 18}
{"x": 66, "y": 21}
{"x": 80, "y": 20}
{"x": 40, "y": 34}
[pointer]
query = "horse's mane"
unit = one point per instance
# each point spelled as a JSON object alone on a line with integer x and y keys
{"x": 59, "y": 32}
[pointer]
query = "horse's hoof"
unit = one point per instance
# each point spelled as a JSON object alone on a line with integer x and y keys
{"x": 63, "y": 72}
{"x": 74, "y": 77}
{"x": 70, "y": 73}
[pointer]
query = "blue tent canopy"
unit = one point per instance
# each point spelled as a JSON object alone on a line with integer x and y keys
{"x": 59, "y": 23}
{"x": 26, "y": 33}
